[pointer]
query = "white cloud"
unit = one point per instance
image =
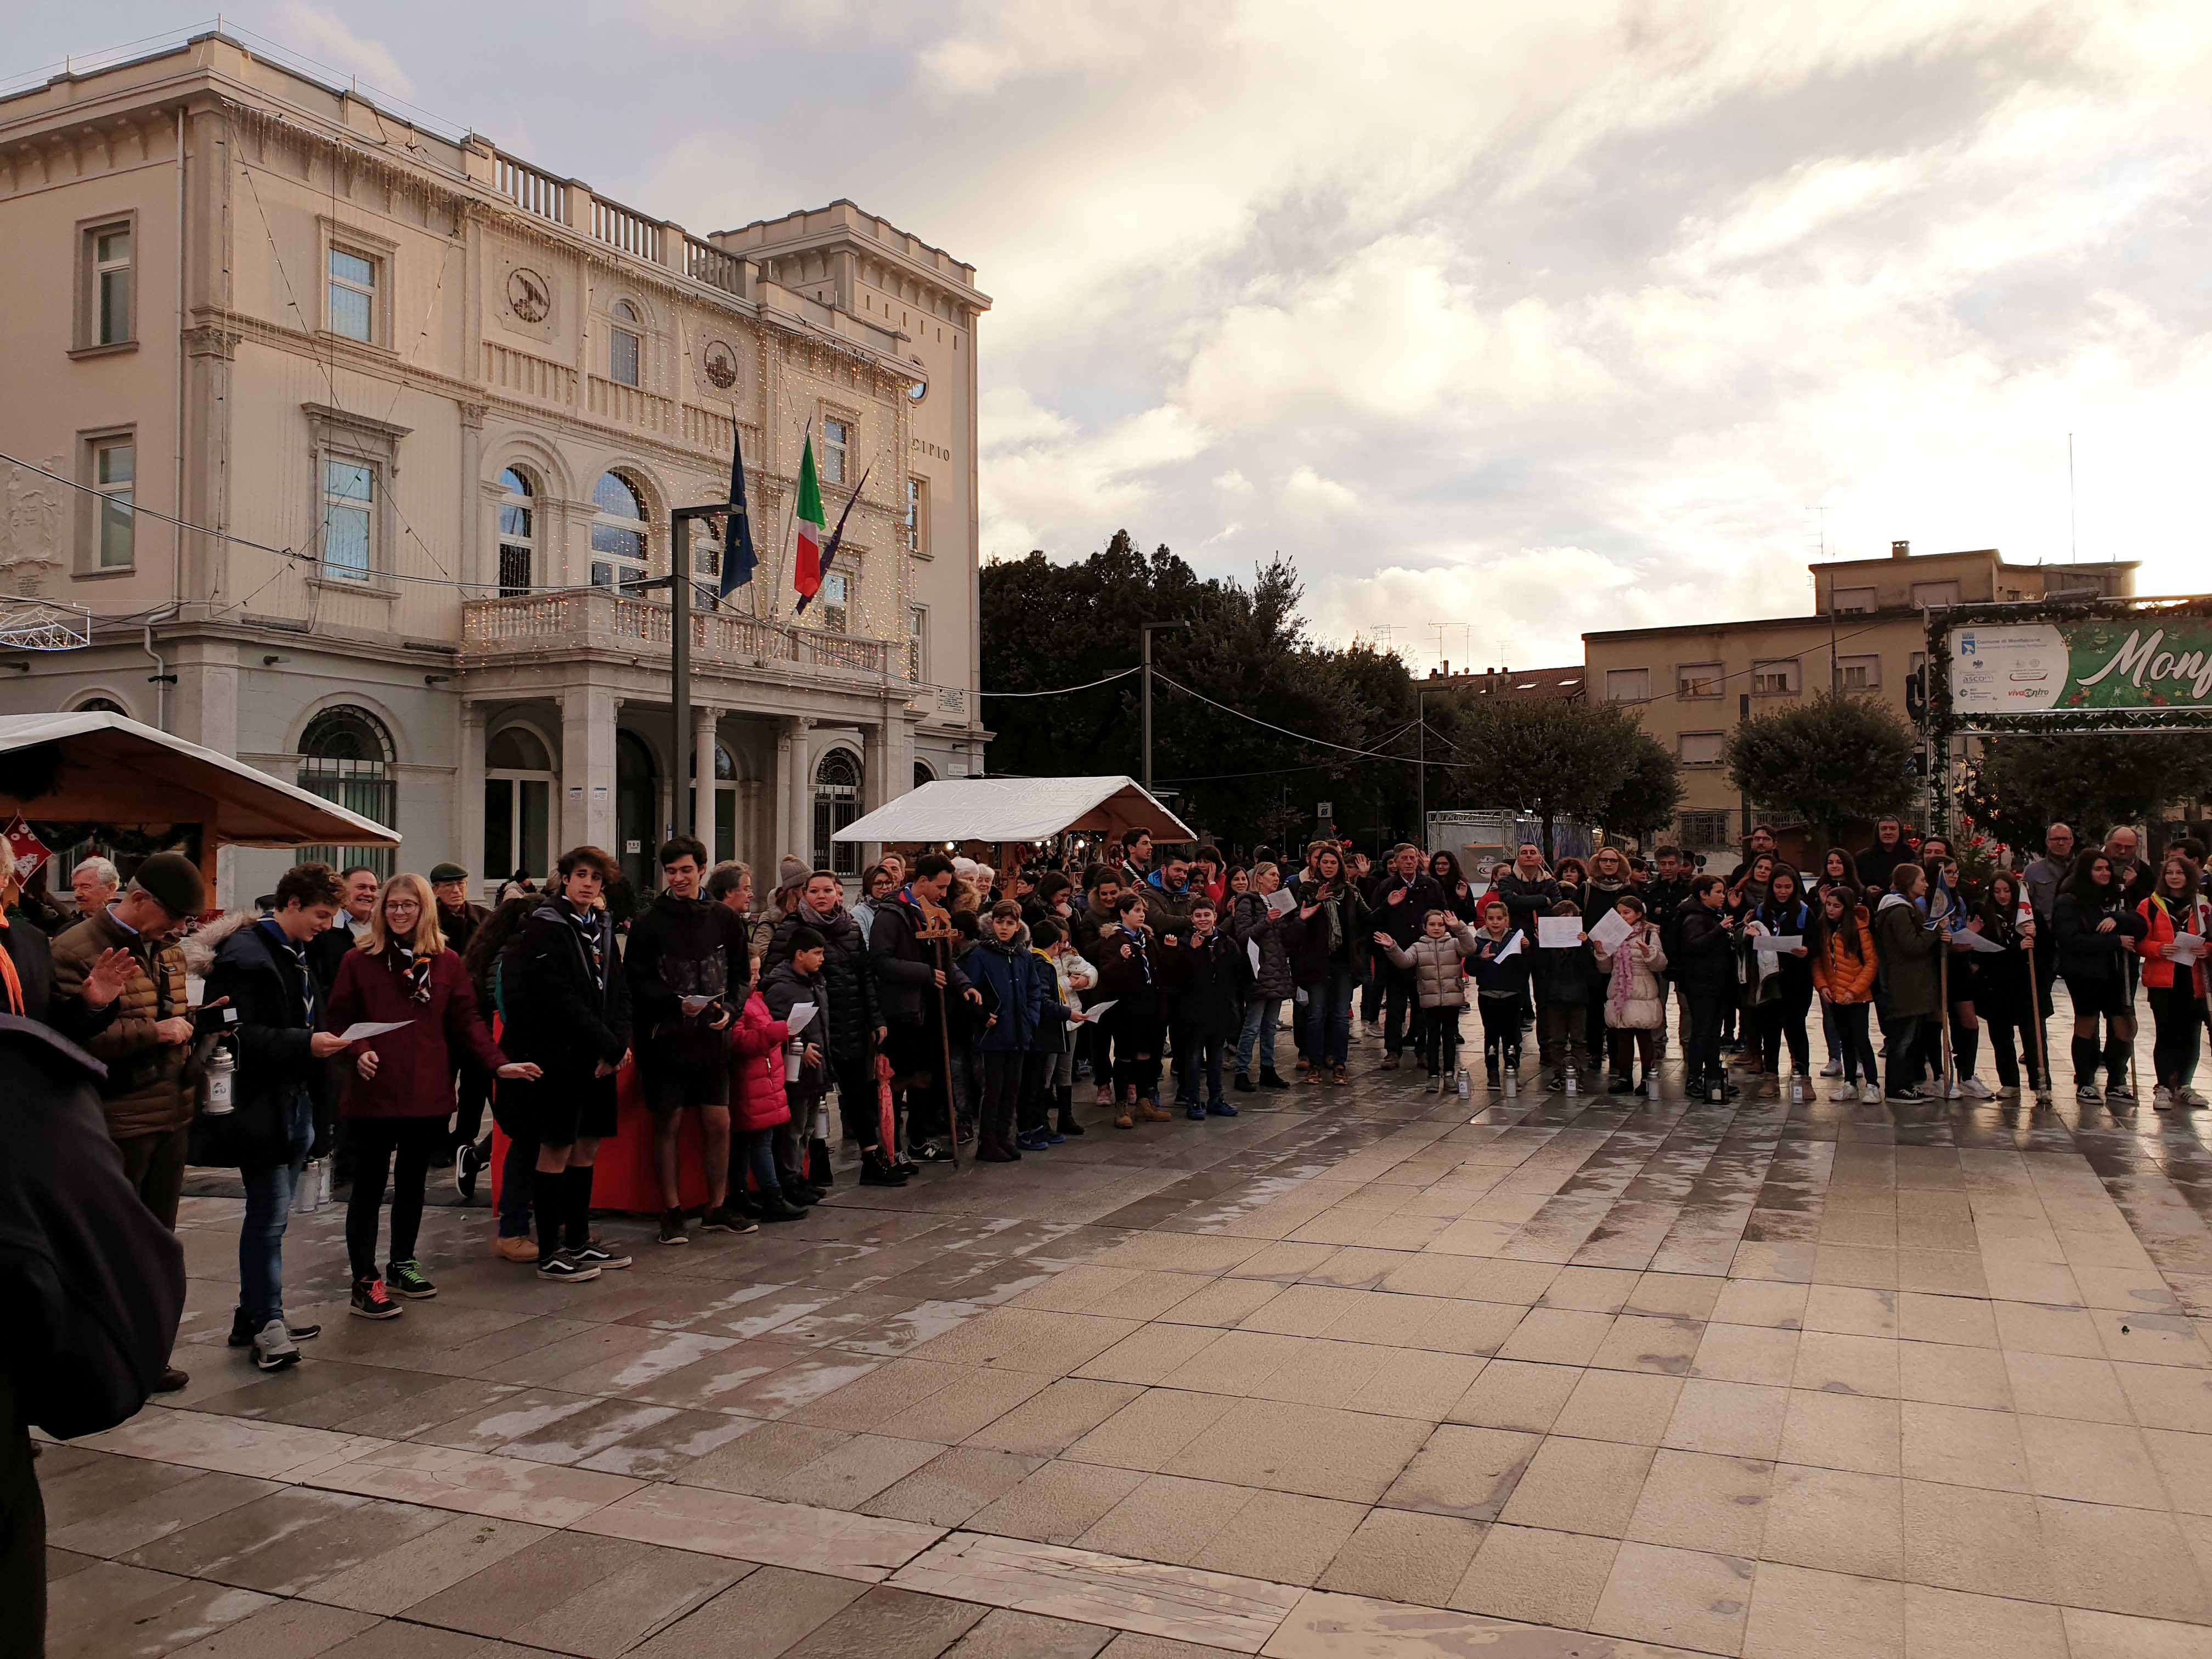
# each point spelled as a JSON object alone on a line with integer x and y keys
{"x": 1308, "y": 490}
{"x": 316, "y": 33}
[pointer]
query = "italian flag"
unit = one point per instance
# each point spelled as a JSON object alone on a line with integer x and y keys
{"x": 806, "y": 573}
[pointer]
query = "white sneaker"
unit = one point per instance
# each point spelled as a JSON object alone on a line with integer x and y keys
{"x": 1952, "y": 1091}
{"x": 1833, "y": 1068}
{"x": 2088, "y": 1094}
{"x": 1973, "y": 1088}
{"x": 1870, "y": 1095}
{"x": 272, "y": 1348}
{"x": 1850, "y": 1091}
{"x": 2161, "y": 1099}
{"x": 2010, "y": 1091}
{"x": 2191, "y": 1099}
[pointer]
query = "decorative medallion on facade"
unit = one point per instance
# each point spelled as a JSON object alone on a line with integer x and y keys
{"x": 721, "y": 363}
{"x": 529, "y": 296}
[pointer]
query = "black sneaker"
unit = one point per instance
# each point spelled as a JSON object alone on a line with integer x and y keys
{"x": 906, "y": 1167}
{"x": 1243, "y": 1083}
{"x": 564, "y": 1264}
{"x": 405, "y": 1278}
{"x": 932, "y": 1152}
{"x": 671, "y": 1228}
{"x": 727, "y": 1220}
{"x": 372, "y": 1301}
{"x": 774, "y": 1210}
{"x": 1271, "y": 1078}
{"x": 467, "y": 1162}
{"x": 601, "y": 1254}
{"x": 875, "y": 1172}
{"x": 801, "y": 1196}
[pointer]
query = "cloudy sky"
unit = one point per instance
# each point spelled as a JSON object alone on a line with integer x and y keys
{"x": 1521, "y": 320}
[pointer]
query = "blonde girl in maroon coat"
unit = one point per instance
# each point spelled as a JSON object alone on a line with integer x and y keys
{"x": 399, "y": 1084}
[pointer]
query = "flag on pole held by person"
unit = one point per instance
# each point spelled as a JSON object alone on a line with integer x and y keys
{"x": 806, "y": 569}
{"x": 836, "y": 541}
{"x": 739, "y": 559}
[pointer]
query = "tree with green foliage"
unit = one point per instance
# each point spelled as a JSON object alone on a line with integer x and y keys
{"x": 2020, "y": 783}
{"x": 1241, "y": 665}
{"x": 1643, "y": 803}
{"x": 1544, "y": 756}
{"x": 1827, "y": 762}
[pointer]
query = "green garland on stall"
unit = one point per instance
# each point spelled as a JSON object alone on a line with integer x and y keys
{"x": 1942, "y": 724}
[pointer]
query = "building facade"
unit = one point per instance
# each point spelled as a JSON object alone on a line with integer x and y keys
{"x": 1870, "y": 633}
{"x": 424, "y": 410}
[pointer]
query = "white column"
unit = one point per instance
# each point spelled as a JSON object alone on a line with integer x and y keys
{"x": 876, "y": 784}
{"x": 796, "y": 752}
{"x": 471, "y": 816}
{"x": 703, "y": 775}
{"x": 587, "y": 767}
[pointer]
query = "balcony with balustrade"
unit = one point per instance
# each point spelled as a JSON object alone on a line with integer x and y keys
{"x": 600, "y": 622}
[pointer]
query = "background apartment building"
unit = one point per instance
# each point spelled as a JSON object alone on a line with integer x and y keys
{"x": 1868, "y": 632}
{"x": 428, "y": 406}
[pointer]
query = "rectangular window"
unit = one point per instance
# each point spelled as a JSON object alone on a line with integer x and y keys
{"x": 1698, "y": 679}
{"x": 1702, "y": 831}
{"x": 353, "y": 294}
{"x": 1628, "y": 685}
{"x": 514, "y": 571}
{"x": 917, "y": 515}
{"x": 1852, "y": 599}
{"x": 1699, "y": 748}
{"x": 917, "y": 643}
{"x": 114, "y": 464}
{"x": 348, "y": 502}
{"x": 109, "y": 302}
{"x": 623, "y": 355}
{"x": 1859, "y": 673}
{"x": 1933, "y": 595}
{"x": 1774, "y": 679}
{"x": 836, "y": 601}
{"x": 836, "y": 443}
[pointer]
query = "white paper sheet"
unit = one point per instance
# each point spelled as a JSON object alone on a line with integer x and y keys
{"x": 694, "y": 1004}
{"x": 2187, "y": 947}
{"x": 1775, "y": 944}
{"x": 1512, "y": 946}
{"x": 1974, "y": 941}
{"x": 1252, "y": 949}
{"x": 1559, "y": 932}
{"x": 370, "y": 1028}
{"x": 1097, "y": 1011}
{"x": 1282, "y": 901}
{"x": 1612, "y": 929}
{"x": 800, "y": 1017}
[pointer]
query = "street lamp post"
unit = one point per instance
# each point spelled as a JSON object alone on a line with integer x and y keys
{"x": 678, "y": 583}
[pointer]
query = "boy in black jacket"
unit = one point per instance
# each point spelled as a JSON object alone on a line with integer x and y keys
{"x": 567, "y": 1007}
{"x": 1202, "y": 991}
{"x": 687, "y": 969}
{"x": 1561, "y": 978}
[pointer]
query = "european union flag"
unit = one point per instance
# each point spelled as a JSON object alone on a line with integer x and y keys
{"x": 739, "y": 559}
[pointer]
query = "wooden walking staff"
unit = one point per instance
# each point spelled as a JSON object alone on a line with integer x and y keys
{"x": 938, "y": 930}
{"x": 2035, "y": 1009}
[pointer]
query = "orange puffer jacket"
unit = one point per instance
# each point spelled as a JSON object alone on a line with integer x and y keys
{"x": 1840, "y": 976}
{"x": 2158, "y": 968}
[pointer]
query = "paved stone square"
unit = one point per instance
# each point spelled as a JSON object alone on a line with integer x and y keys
{"x": 1361, "y": 1373}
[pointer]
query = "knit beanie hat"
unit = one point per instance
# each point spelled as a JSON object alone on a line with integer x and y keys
{"x": 790, "y": 872}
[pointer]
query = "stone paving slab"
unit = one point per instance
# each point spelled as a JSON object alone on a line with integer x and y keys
{"x": 1360, "y": 1372}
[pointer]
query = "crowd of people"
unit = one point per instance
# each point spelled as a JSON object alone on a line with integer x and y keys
{"x": 375, "y": 1020}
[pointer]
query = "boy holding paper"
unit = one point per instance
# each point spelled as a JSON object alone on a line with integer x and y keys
{"x": 1560, "y": 977}
{"x": 1500, "y": 962}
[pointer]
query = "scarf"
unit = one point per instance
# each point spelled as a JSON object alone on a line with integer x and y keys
{"x": 414, "y": 972}
{"x": 586, "y": 924}
{"x": 1623, "y": 976}
{"x": 823, "y": 921}
{"x": 13, "y": 981}
{"x": 278, "y": 939}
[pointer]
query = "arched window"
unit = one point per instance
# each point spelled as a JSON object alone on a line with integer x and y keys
{"x": 518, "y": 533}
{"x": 624, "y": 344}
{"x": 518, "y": 791}
{"x": 346, "y": 757}
{"x": 836, "y": 803}
{"x": 922, "y": 774}
{"x": 618, "y": 532}
{"x": 102, "y": 706}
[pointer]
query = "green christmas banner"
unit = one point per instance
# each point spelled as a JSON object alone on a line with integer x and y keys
{"x": 2141, "y": 661}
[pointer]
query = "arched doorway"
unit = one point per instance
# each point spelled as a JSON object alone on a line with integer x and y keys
{"x": 836, "y": 803}
{"x": 636, "y": 808}
{"x": 518, "y": 791}
{"x": 346, "y": 757}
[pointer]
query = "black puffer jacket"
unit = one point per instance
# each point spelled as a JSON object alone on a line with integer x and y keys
{"x": 272, "y": 1039}
{"x": 558, "y": 1011}
{"x": 1340, "y": 932}
{"x": 2086, "y": 956}
{"x": 1703, "y": 958}
{"x": 854, "y": 1016}
{"x": 1248, "y": 923}
{"x": 905, "y": 966}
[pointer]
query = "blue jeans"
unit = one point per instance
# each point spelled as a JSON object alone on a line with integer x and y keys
{"x": 1329, "y": 1015}
{"x": 268, "y": 1208}
{"x": 1261, "y": 1016}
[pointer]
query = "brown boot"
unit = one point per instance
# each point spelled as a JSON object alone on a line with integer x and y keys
{"x": 1148, "y": 1113}
{"x": 1338, "y": 1077}
{"x": 1126, "y": 1117}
